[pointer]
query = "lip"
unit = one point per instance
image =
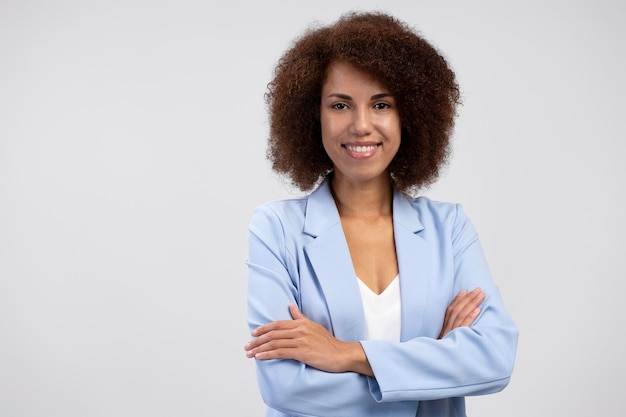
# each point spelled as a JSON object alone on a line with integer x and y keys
{"x": 361, "y": 150}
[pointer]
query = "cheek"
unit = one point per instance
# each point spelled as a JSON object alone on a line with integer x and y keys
{"x": 329, "y": 128}
{"x": 394, "y": 129}
{"x": 326, "y": 132}
{"x": 398, "y": 127}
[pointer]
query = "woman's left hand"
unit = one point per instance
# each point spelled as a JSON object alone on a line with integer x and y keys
{"x": 463, "y": 310}
{"x": 308, "y": 342}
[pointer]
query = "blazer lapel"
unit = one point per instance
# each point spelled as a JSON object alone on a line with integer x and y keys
{"x": 332, "y": 265}
{"x": 414, "y": 263}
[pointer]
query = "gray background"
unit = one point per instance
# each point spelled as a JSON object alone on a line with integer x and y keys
{"x": 132, "y": 138}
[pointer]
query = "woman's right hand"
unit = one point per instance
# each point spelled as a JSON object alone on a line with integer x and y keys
{"x": 462, "y": 311}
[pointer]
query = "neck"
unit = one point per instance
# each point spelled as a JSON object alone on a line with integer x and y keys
{"x": 371, "y": 199}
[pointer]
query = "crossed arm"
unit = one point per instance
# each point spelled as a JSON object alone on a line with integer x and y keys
{"x": 310, "y": 343}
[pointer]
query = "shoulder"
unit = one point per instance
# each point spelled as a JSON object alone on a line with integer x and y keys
{"x": 434, "y": 211}
{"x": 279, "y": 214}
{"x": 428, "y": 205}
{"x": 310, "y": 214}
{"x": 439, "y": 218}
{"x": 281, "y": 207}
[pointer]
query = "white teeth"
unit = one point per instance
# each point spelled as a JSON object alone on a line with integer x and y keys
{"x": 361, "y": 148}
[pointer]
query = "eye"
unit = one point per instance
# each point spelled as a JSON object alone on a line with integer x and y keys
{"x": 382, "y": 106}
{"x": 339, "y": 106}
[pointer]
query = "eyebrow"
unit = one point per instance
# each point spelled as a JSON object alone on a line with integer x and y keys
{"x": 347, "y": 97}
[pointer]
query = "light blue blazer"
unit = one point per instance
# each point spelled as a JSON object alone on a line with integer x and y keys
{"x": 298, "y": 253}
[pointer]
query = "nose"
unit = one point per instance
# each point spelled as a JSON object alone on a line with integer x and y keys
{"x": 361, "y": 122}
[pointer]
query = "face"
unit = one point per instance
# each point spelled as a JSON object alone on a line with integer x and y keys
{"x": 360, "y": 124}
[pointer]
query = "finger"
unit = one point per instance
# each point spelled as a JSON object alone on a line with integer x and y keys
{"x": 462, "y": 303}
{"x": 462, "y": 311}
{"x": 466, "y": 311}
{"x": 458, "y": 299}
{"x": 281, "y": 353}
{"x": 470, "y": 318}
{"x": 295, "y": 312}
{"x": 452, "y": 310}
{"x": 269, "y": 340}
{"x": 275, "y": 325}
{"x": 268, "y": 349}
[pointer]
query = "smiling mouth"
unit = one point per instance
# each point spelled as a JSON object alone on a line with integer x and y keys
{"x": 360, "y": 148}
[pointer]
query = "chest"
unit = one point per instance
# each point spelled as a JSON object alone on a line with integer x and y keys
{"x": 372, "y": 250}
{"x": 323, "y": 278}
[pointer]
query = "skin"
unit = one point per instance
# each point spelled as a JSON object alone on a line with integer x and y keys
{"x": 361, "y": 131}
{"x": 357, "y": 111}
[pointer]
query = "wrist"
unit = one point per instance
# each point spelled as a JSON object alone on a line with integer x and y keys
{"x": 356, "y": 359}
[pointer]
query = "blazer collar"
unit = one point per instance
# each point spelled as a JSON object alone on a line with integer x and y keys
{"x": 321, "y": 211}
{"x": 404, "y": 215}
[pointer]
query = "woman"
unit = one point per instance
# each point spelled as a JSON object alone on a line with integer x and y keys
{"x": 362, "y": 300}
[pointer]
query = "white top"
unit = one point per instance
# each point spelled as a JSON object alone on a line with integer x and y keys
{"x": 382, "y": 311}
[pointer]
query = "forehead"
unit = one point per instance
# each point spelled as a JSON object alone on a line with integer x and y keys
{"x": 340, "y": 74}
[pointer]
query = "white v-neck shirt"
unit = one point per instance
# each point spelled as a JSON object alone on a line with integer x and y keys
{"x": 382, "y": 311}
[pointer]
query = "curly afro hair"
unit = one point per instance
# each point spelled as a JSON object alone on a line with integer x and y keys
{"x": 418, "y": 76}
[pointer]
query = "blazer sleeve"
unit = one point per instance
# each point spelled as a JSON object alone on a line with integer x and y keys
{"x": 288, "y": 385}
{"x": 467, "y": 361}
